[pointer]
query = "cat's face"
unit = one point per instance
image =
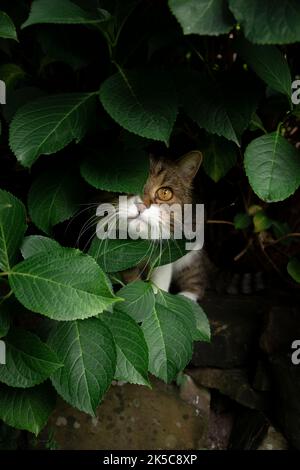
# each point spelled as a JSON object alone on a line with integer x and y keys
{"x": 169, "y": 186}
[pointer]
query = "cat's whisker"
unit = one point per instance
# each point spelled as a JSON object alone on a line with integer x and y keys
{"x": 86, "y": 227}
{"x": 148, "y": 257}
{"x": 77, "y": 214}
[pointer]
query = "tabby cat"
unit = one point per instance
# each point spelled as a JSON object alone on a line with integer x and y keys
{"x": 169, "y": 182}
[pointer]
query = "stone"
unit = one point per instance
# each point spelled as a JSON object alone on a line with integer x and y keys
{"x": 199, "y": 397}
{"x": 161, "y": 420}
{"x": 249, "y": 430}
{"x": 235, "y": 323}
{"x": 219, "y": 430}
{"x": 273, "y": 440}
{"x": 286, "y": 388}
{"x": 281, "y": 327}
{"x": 262, "y": 380}
{"x": 233, "y": 383}
{"x": 195, "y": 395}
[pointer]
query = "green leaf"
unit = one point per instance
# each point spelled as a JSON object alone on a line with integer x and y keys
{"x": 204, "y": 17}
{"x": 11, "y": 74}
{"x": 268, "y": 22}
{"x": 202, "y": 332}
{"x": 142, "y": 101}
{"x": 7, "y": 28}
{"x": 53, "y": 197}
{"x": 188, "y": 312}
{"x": 116, "y": 170}
{"x": 179, "y": 308}
{"x": 63, "y": 285}
{"x": 261, "y": 222}
{"x": 118, "y": 255}
{"x": 66, "y": 46}
{"x": 132, "y": 351}
{"x": 242, "y": 221}
{"x": 28, "y": 360}
{"x": 138, "y": 298}
{"x": 26, "y": 409}
{"x": 46, "y": 125}
{"x": 269, "y": 64}
{"x": 169, "y": 343}
{"x": 293, "y": 268}
{"x": 280, "y": 229}
{"x": 219, "y": 158}
{"x": 256, "y": 123}
{"x": 272, "y": 165}
{"x": 5, "y": 318}
{"x": 224, "y": 108}
{"x": 36, "y": 244}
{"x": 12, "y": 228}
{"x": 87, "y": 350}
{"x": 61, "y": 12}
{"x": 19, "y": 97}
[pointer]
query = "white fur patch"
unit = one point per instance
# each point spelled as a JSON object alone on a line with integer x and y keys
{"x": 185, "y": 261}
{"x": 162, "y": 276}
{"x": 189, "y": 295}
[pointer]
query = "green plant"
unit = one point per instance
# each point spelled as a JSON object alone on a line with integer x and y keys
{"x": 91, "y": 85}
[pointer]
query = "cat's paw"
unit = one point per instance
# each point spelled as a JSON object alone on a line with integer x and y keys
{"x": 189, "y": 295}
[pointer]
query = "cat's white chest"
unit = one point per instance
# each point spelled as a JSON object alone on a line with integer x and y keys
{"x": 162, "y": 276}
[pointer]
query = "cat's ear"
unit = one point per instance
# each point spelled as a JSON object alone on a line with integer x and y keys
{"x": 190, "y": 163}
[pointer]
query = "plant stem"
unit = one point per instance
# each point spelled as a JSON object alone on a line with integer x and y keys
{"x": 227, "y": 222}
{"x": 6, "y": 296}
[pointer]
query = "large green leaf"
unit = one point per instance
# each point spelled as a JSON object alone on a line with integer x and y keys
{"x": 48, "y": 124}
{"x": 19, "y": 97}
{"x": 12, "y": 228}
{"x": 116, "y": 170}
{"x": 268, "y": 22}
{"x": 223, "y": 108}
{"x": 132, "y": 351}
{"x": 169, "y": 342}
{"x": 66, "y": 46}
{"x": 7, "y": 28}
{"x": 26, "y": 409}
{"x": 138, "y": 298}
{"x": 28, "y": 360}
{"x": 63, "y": 285}
{"x": 36, "y": 244}
{"x": 202, "y": 332}
{"x": 188, "y": 312}
{"x": 5, "y": 318}
{"x": 205, "y": 17}
{"x": 219, "y": 158}
{"x": 142, "y": 101}
{"x": 269, "y": 64}
{"x": 53, "y": 197}
{"x": 87, "y": 350}
{"x": 61, "y": 12}
{"x": 272, "y": 165}
{"x": 118, "y": 255}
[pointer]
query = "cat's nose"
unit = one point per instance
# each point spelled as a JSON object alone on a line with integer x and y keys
{"x": 141, "y": 207}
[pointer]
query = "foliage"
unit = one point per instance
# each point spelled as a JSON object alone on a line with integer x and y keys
{"x": 92, "y": 87}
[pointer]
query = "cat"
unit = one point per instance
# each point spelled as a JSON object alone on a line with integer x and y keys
{"x": 169, "y": 182}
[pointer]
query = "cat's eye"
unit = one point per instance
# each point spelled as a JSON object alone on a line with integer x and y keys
{"x": 164, "y": 194}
